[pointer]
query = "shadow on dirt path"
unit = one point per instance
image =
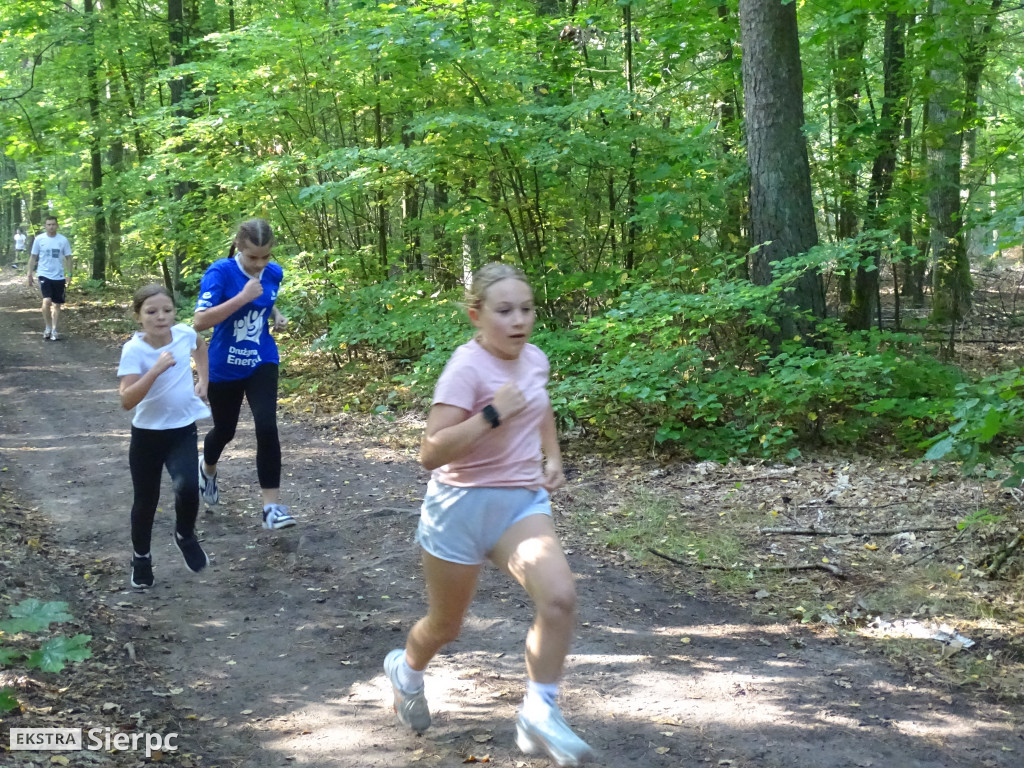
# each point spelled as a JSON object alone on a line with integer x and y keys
{"x": 276, "y": 649}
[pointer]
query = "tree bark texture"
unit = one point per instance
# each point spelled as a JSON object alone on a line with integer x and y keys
{"x": 951, "y": 277}
{"x": 99, "y": 219}
{"x": 849, "y": 79}
{"x": 781, "y": 208}
{"x": 883, "y": 168}
{"x": 730, "y": 229}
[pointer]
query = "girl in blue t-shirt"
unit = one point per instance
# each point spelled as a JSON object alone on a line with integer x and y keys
{"x": 156, "y": 380}
{"x": 237, "y": 298}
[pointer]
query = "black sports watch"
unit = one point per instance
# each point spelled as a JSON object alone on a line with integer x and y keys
{"x": 491, "y": 414}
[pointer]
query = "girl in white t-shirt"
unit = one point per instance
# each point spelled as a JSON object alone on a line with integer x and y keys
{"x": 156, "y": 380}
{"x": 493, "y": 450}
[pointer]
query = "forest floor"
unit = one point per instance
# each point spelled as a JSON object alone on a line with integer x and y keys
{"x": 272, "y": 656}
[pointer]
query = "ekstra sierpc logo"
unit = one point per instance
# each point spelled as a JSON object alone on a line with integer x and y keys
{"x": 71, "y": 739}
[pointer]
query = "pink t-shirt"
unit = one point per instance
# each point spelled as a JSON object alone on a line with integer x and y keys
{"x": 509, "y": 456}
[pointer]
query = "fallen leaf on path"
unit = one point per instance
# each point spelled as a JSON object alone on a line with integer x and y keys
{"x": 668, "y": 721}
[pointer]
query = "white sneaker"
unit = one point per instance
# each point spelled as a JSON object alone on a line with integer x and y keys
{"x": 54, "y": 336}
{"x": 549, "y": 732}
{"x": 208, "y": 485}
{"x": 411, "y": 708}
{"x": 276, "y": 516}
{"x": 46, "y": 334}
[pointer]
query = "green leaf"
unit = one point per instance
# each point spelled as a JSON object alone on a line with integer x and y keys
{"x": 7, "y": 655}
{"x": 940, "y": 449}
{"x": 7, "y": 700}
{"x": 53, "y": 654}
{"x": 34, "y": 616}
{"x": 991, "y": 426}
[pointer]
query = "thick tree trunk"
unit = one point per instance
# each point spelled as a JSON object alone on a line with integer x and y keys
{"x": 951, "y": 275}
{"x": 980, "y": 236}
{"x": 781, "y": 208}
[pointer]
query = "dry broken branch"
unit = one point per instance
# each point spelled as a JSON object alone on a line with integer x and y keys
{"x": 812, "y": 531}
{"x": 827, "y": 567}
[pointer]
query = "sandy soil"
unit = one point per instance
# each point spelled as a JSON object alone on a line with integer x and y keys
{"x": 272, "y": 656}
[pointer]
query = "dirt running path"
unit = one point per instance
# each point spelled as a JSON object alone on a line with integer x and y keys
{"x": 277, "y": 647}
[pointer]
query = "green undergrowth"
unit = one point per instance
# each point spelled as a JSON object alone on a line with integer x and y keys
{"x": 679, "y": 366}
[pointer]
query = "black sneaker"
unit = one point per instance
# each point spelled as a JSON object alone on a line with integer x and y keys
{"x": 195, "y": 557}
{"x": 142, "y": 572}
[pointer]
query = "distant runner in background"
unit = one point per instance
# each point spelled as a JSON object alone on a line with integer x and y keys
{"x": 51, "y": 254}
{"x": 19, "y": 245}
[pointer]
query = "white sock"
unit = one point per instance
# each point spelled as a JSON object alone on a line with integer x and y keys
{"x": 48, "y": 329}
{"x": 143, "y": 557}
{"x": 409, "y": 679}
{"x": 540, "y": 696}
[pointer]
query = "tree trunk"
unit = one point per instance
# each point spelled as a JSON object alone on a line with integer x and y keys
{"x": 980, "y": 236}
{"x": 99, "y": 220}
{"x": 180, "y": 87}
{"x": 116, "y": 163}
{"x": 629, "y": 236}
{"x": 849, "y": 79}
{"x": 951, "y": 276}
{"x": 730, "y": 229}
{"x": 781, "y": 208}
{"x": 883, "y": 169}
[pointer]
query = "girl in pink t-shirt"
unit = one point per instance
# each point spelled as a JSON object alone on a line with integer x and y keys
{"x": 492, "y": 447}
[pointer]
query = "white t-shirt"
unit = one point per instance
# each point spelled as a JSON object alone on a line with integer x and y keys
{"x": 171, "y": 402}
{"x": 19, "y": 242}
{"x": 51, "y": 252}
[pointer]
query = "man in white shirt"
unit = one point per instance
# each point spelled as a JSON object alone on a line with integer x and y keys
{"x": 19, "y": 244}
{"x": 51, "y": 253}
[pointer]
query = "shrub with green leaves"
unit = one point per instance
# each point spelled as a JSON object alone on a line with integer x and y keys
{"x": 681, "y": 362}
{"x": 51, "y": 655}
{"x": 987, "y": 428}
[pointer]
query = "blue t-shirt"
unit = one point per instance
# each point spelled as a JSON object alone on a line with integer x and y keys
{"x": 241, "y": 342}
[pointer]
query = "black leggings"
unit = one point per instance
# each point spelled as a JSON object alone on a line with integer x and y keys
{"x": 151, "y": 450}
{"x": 225, "y": 397}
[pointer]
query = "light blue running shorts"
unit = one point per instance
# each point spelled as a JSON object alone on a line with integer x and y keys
{"x": 463, "y": 525}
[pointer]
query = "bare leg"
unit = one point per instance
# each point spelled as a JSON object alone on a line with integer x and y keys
{"x": 270, "y": 495}
{"x": 450, "y": 590}
{"x": 46, "y": 313}
{"x": 55, "y": 311}
{"x": 531, "y": 553}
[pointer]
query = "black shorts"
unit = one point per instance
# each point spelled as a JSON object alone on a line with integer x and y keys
{"x": 52, "y": 289}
